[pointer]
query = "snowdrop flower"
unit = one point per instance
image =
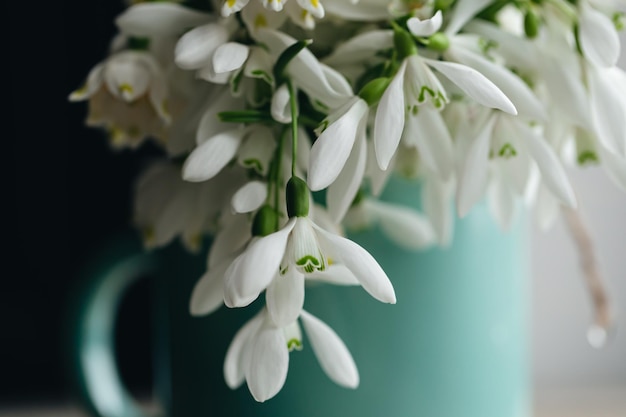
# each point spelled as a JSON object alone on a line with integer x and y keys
{"x": 334, "y": 144}
{"x": 280, "y": 260}
{"x": 598, "y": 36}
{"x": 405, "y": 227}
{"x": 301, "y": 12}
{"x": 165, "y": 206}
{"x": 511, "y": 145}
{"x": 233, "y": 234}
{"x": 259, "y": 354}
{"x": 414, "y": 84}
{"x": 208, "y": 50}
{"x": 253, "y": 146}
{"x": 326, "y": 88}
{"x": 127, "y": 94}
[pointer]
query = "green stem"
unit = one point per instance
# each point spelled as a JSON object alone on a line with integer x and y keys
{"x": 294, "y": 126}
{"x": 276, "y": 179}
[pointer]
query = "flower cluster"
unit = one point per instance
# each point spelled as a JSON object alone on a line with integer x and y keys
{"x": 258, "y": 104}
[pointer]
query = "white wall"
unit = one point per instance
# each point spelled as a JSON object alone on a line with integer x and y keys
{"x": 562, "y": 308}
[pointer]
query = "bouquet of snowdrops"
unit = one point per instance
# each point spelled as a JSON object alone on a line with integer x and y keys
{"x": 259, "y": 103}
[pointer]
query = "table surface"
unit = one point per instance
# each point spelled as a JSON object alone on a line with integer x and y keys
{"x": 597, "y": 401}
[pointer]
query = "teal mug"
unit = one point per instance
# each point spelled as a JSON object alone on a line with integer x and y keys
{"x": 456, "y": 344}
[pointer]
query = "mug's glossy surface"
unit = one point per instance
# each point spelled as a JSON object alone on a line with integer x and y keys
{"x": 455, "y": 344}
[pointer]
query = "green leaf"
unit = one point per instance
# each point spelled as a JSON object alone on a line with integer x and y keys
{"x": 285, "y": 58}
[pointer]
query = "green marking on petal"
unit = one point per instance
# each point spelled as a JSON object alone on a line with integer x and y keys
{"x": 619, "y": 20}
{"x": 588, "y": 158}
{"x": 294, "y": 344}
{"x": 486, "y": 45}
{"x": 253, "y": 163}
{"x": 507, "y": 151}
{"x": 438, "y": 99}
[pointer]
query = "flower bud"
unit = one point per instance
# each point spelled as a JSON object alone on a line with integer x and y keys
{"x": 374, "y": 90}
{"x": 531, "y": 24}
{"x": 265, "y": 221}
{"x": 404, "y": 44}
{"x": 297, "y": 198}
{"x": 438, "y": 42}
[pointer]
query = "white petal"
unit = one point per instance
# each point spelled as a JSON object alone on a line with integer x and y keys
{"x": 235, "y": 361}
{"x": 285, "y": 297}
{"x": 378, "y": 177}
{"x": 473, "y": 177}
{"x": 427, "y": 131}
{"x": 281, "y": 109}
{"x": 362, "y": 11}
{"x": 332, "y": 354}
{"x": 210, "y": 125}
{"x": 615, "y": 167}
{"x": 562, "y": 76}
{"x": 464, "y": 11}
{"x": 313, "y": 6}
{"x": 208, "y": 293}
{"x": 305, "y": 70}
{"x": 501, "y": 203}
{"x": 230, "y": 7}
{"x": 404, "y": 226}
{"x": 250, "y": 197}
{"x": 425, "y": 27}
{"x": 255, "y": 17}
{"x": 208, "y": 159}
{"x": 361, "y": 263}
{"x": 232, "y": 237}
{"x": 127, "y": 76}
{"x": 269, "y": 362}
{"x": 229, "y": 57}
{"x": 552, "y": 172}
{"x": 437, "y": 203}
{"x": 195, "y": 48}
{"x": 259, "y": 265}
{"x": 259, "y": 65}
{"x": 389, "y": 121}
{"x": 331, "y": 150}
{"x": 335, "y": 274}
{"x": 341, "y": 193}
{"x": 474, "y": 84}
{"x": 599, "y": 39}
{"x": 608, "y": 110}
{"x": 159, "y": 19}
{"x": 159, "y": 92}
{"x": 258, "y": 149}
{"x": 360, "y": 47}
{"x": 92, "y": 85}
{"x": 525, "y": 101}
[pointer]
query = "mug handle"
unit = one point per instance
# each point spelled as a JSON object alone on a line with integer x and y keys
{"x": 92, "y": 333}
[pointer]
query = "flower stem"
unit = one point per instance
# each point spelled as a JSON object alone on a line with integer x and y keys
{"x": 603, "y": 320}
{"x": 294, "y": 126}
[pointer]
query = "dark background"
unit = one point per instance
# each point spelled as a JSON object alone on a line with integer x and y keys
{"x": 70, "y": 195}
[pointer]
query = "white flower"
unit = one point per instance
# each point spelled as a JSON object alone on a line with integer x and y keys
{"x": 233, "y": 234}
{"x": 253, "y": 146}
{"x": 510, "y": 145}
{"x": 300, "y": 248}
{"x": 598, "y": 36}
{"x": 208, "y": 50}
{"x": 259, "y": 354}
{"x": 334, "y": 145}
{"x": 404, "y": 226}
{"x": 166, "y": 206}
{"x": 127, "y": 94}
{"x": 301, "y": 12}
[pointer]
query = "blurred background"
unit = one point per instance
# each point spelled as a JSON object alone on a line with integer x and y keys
{"x": 71, "y": 194}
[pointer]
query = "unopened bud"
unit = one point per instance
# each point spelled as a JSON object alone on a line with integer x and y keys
{"x": 297, "y": 198}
